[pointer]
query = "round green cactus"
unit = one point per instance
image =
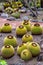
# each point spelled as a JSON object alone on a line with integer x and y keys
{"x": 34, "y": 48}
{"x": 36, "y": 29}
{"x": 10, "y": 40}
{"x": 6, "y": 28}
{"x": 20, "y": 48}
{"x": 26, "y": 55}
{"x": 27, "y": 38}
{"x": 21, "y": 30}
{"x": 7, "y": 51}
{"x": 27, "y": 24}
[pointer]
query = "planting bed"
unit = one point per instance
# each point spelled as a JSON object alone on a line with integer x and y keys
{"x": 16, "y": 59}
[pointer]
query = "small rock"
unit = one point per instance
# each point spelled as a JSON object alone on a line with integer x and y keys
{"x": 0, "y": 35}
{"x": 42, "y": 37}
{"x": 39, "y": 63}
{"x": 11, "y": 18}
{"x": 25, "y": 18}
{"x": 19, "y": 64}
{"x": 4, "y": 15}
{"x": 42, "y": 19}
{"x": 40, "y": 57}
{"x": 41, "y": 44}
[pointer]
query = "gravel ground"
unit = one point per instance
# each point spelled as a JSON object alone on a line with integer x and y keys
{"x": 16, "y": 58}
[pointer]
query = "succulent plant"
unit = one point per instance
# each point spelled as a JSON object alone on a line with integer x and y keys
{"x": 9, "y": 10}
{"x": 10, "y": 40}
{"x": 6, "y": 4}
{"x": 16, "y": 15}
{"x": 36, "y": 29}
{"x": 6, "y": 28}
{"x": 26, "y": 55}
{"x": 20, "y": 48}
{"x": 21, "y": 30}
{"x": 27, "y": 24}
{"x": 7, "y": 51}
{"x": 34, "y": 48}
{"x": 27, "y": 38}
